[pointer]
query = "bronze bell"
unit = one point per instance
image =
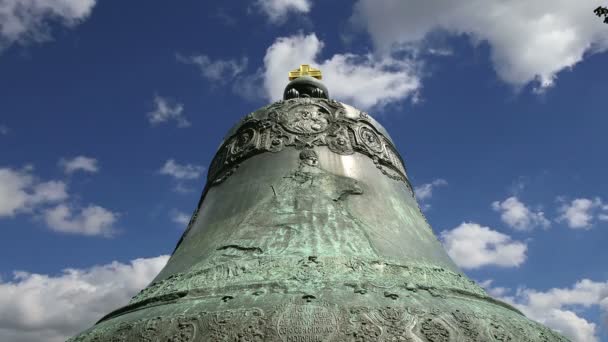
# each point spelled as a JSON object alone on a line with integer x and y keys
{"x": 308, "y": 230}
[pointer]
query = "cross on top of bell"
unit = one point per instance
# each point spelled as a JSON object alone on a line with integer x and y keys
{"x": 305, "y": 70}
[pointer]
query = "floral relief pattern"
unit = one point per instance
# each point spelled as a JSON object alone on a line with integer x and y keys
{"x": 305, "y": 123}
{"x": 309, "y": 319}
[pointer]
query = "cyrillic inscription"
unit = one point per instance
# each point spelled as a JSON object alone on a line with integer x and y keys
{"x": 307, "y": 323}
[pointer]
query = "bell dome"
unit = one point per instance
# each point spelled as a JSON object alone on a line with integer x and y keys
{"x": 308, "y": 230}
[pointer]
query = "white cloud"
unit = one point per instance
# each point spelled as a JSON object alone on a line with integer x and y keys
{"x": 529, "y": 40}
{"x": 363, "y": 80}
{"x": 180, "y": 218}
{"x": 425, "y": 191}
{"x": 48, "y": 192}
{"x": 14, "y": 188}
{"x": 20, "y": 191}
{"x": 182, "y": 188}
{"x": 218, "y": 70}
{"x": 42, "y": 307}
{"x": 4, "y": 130}
{"x": 580, "y": 212}
{"x": 23, "y": 21}
{"x": 185, "y": 171}
{"x": 558, "y": 307}
{"x": 166, "y": 110}
{"x": 79, "y": 163}
{"x": 277, "y": 10}
{"x": 518, "y": 216}
{"x": 91, "y": 220}
{"x": 494, "y": 291}
{"x": 472, "y": 246}
{"x": 248, "y": 86}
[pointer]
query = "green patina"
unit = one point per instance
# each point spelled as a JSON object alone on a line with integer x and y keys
{"x": 308, "y": 230}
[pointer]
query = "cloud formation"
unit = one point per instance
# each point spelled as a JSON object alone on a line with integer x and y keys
{"x": 180, "y": 217}
{"x": 529, "y": 41}
{"x": 363, "y": 80}
{"x": 23, "y": 193}
{"x": 580, "y": 213}
{"x": 43, "y": 307}
{"x": 215, "y": 70}
{"x": 425, "y": 191}
{"x": 496, "y": 292}
{"x": 20, "y": 191}
{"x": 560, "y": 308}
{"x": 165, "y": 110}
{"x": 24, "y": 21}
{"x": 277, "y": 10}
{"x": 366, "y": 81}
{"x": 79, "y": 163}
{"x": 472, "y": 246}
{"x": 181, "y": 171}
{"x": 91, "y": 220}
{"x": 518, "y": 216}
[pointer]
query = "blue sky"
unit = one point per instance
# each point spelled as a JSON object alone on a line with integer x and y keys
{"x": 111, "y": 111}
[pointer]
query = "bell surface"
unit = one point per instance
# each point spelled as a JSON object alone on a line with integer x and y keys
{"x": 308, "y": 230}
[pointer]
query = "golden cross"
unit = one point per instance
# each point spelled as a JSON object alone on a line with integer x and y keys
{"x": 305, "y": 70}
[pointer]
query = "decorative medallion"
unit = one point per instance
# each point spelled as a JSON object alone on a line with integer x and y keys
{"x": 243, "y": 141}
{"x": 340, "y": 141}
{"x": 370, "y": 139}
{"x": 306, "y": 119}
{"x": 305, "y": 123}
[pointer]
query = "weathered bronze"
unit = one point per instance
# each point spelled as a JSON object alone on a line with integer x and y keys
{"x": 308, "y": 231}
